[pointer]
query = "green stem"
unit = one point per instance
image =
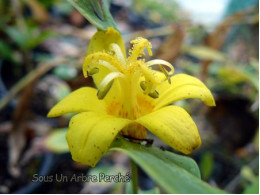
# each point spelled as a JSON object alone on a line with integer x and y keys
{"x": 134, "y": 175}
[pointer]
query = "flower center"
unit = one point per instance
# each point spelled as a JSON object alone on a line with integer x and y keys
{"x": 133, "y": 75}
{"x": 132, "y": 72}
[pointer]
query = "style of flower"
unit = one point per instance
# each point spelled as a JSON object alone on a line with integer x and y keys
{"x": 130, "y": 99}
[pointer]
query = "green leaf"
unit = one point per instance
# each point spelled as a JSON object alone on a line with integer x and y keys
{"x": 157, "y": 10}
{"x": 100, "y": 182}
{"x": 206, "y": 165}
{"x": 36, "y": 37}
{"x": 96, "y": 12}
{"x": 129, "y": 190}
{"x": 30, "y": 38}
{"x": 56, "y": 141}
{"x": 253, "y": 188}
{"x": 248, "y": 174}
{"x": 97, "y": 8}
{"x": 173, "y": 173}
{"x": 151, "y": 191}
{"x": 17, "y": 36}
{"x": 204, "y": 53}
{"x": 5, "y": 50}
{"x": 239, "y": 75}
{"x": 65, "y": 72}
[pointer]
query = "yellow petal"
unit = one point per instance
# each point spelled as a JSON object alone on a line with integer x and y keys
{"x": 174, "y": 126}
{"x": 90, "y": 135}
{"x": 101, "y": 42}
{"x": 102, "y": 39}
{"x": 81, "y": 100}
{"x": 183, "y": 87}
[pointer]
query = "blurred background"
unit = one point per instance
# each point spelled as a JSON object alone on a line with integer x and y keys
{"x": 42, "y": 47}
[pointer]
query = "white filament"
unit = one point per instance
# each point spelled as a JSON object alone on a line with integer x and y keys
{"x": 119, "y": 54}
{"x": 161, "y": 62}
{"x": 110, "y": 77}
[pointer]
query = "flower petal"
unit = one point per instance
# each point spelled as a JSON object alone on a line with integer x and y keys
{"x": 174, "y": 126}
{"x": 101, "y": 42}
{"x": 81, "y": 100}
{"x": 183, "y": 87}
{"x": 90, "y": 135}
{"x": 102, "y": 39}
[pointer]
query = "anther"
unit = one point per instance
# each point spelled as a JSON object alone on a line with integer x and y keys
{"x": 164, "y": 71}
{"x": 103, "y": 92}
{"x": 92, "y": 71}
{"x": 139, "y": 44}
{"x": 143, "y": 85}
{"x": 154, "y": 94}
{"x": 107, "y": 83}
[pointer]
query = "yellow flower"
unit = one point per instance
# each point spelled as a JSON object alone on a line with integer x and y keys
{"x": 131, "y": 98}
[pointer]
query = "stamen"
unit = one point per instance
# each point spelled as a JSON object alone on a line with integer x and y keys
{"x": 146, "y": 87}
{"x": 99, "y": 57}
{"x": 118, "y": 52}
{"x": 149, "y": 49}
{"x": 149, "y": 89}
{"x": 94, "y": 66}
{"x": 107, "y": 83}
{"x": 161, "y": 62}
{"x": 148, "y": 74}
{"x": 92, "y": 71}
{"x": 101, "y": 94}
{"x": 168, "y": 77}
{"x": 107, "y": 65}
{"x": 143, "y": 85}
{"x": 139, "y": 44}
{"x": 154, "y": 94}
